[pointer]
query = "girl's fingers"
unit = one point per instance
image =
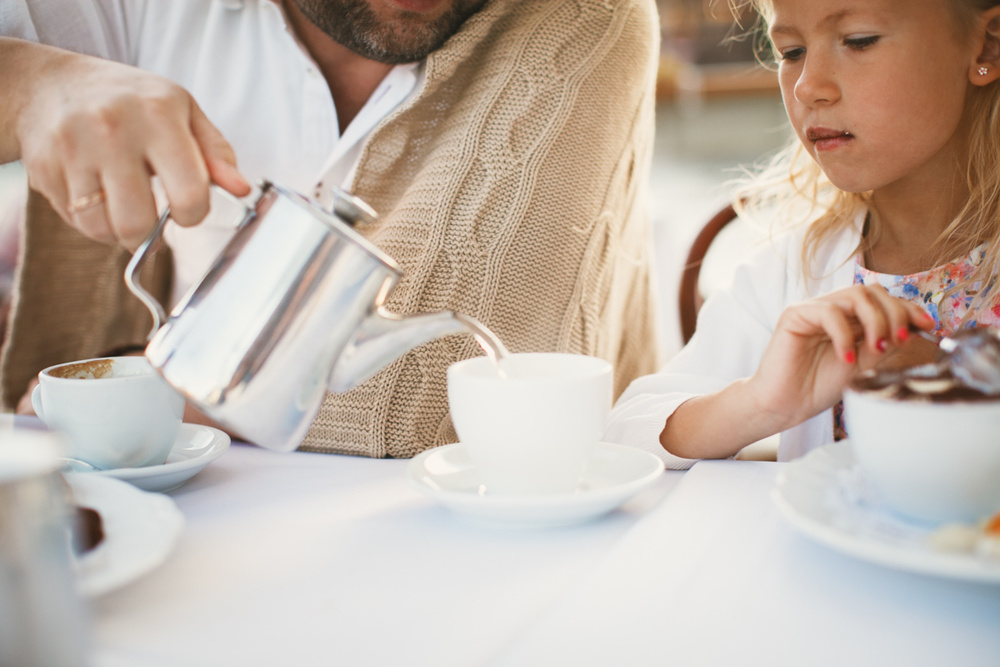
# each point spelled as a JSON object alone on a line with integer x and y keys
{"x": 919, "y": 317}
{"x": 842, "y": 331}
{"x": 897, "y": 314}
{"x": 902, "y": 315}
{"x": 827, "y": 317}
{"x": 885, "y": 319}
{"x": 874, "y": 315}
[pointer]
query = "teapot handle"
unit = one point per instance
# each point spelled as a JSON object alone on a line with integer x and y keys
{"x": 134, "y": 264}
{"x": 143, "y": 251}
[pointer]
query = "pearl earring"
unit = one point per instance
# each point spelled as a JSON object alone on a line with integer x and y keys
{"x": 983, "y": 71}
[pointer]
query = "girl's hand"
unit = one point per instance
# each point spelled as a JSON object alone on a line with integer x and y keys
{"x": 819, "y": 344}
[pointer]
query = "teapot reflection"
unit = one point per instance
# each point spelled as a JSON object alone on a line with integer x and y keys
{"x": 291, "y": 307}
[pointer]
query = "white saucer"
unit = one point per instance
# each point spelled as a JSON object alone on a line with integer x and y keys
{"x": 140, "y": 530}
{"x": 824, "y": 496}
{"x": 616, "y": 473}
{"x": 196, "y": 446}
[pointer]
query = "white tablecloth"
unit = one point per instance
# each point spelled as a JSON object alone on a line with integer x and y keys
{"x": 307, "y": 559}
{"x": 714, "y": 576}
{"x": 311, "y": 559}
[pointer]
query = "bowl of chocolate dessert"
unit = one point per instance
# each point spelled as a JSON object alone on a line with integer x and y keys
{"x": 925, "y": 427}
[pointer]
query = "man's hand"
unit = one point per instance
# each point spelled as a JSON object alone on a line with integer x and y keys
{"x": 91, "y": 133}
{"x": 24, "y": 406}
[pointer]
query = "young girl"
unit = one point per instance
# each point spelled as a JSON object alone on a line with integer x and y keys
{"x": 896, "y": 112}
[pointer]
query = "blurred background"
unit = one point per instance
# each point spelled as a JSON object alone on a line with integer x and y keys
{"x": 717, "y": 109}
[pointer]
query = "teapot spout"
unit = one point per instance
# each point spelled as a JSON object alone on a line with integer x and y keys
{"x": 383, "y": 337}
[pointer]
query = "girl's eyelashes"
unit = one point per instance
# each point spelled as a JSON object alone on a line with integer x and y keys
{"x": 861, "y": 43}
{"x": 792, "y": 54}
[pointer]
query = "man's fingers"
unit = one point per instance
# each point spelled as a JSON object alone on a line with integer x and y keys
{"x": 220, "y": 159}
{"x": 106, "y": 128}
{"x": 176, "y": 158}
{"x": 130, "y": 204}
{"x": 85, "y": 207}
{"x": 24, "y": 406}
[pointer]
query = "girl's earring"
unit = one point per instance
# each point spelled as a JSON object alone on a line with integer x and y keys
{"x": 983, "y": 71}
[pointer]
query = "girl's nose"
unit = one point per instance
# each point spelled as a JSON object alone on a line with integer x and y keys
{"x": 816, "y": 84}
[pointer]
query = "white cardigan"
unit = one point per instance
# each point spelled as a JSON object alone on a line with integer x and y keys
{"x": 734, "y": 327}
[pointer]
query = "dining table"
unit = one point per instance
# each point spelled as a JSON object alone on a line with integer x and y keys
{"x": 308, "y": 559}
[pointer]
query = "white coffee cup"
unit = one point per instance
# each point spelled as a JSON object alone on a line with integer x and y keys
{"x": 534, "y": 430}
{"x": 117, "y": 412}
{"x": 931, "y": 461}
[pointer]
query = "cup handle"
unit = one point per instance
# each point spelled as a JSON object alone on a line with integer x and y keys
{"x": 36, "y": 401}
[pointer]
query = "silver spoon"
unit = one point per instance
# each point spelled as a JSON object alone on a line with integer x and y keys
{"x": 78, "y": 465}
{"x": 973, "y": 356}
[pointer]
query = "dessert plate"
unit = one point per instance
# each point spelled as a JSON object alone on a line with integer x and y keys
{"x": 196, "y": 446}
{"x": 140, "y": 530}
{"x": 824, "y": 496}
{"x": 615, "y": 474}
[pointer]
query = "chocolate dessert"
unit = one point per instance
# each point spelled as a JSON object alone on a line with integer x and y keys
{"x": 86, "y": 530}
{"x": 964, "y": 367}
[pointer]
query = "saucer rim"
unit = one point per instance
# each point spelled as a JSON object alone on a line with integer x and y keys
{"x": 552, "y": 510}
{"x": 839, "y": 456}
{"x": 139, "y": 535}
{"x": 178, "y": 471}
{"x": 657, "y": 468}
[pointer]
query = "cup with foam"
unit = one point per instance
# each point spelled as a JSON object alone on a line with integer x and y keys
{"x": 117, "y": 412}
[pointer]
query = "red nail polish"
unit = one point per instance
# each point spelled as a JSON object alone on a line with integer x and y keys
{"x": 902, "y": 334}
{"x": 882, "y": 345}
{"x": 849, "y": 356}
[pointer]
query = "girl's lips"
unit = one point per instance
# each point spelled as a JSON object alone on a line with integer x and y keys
{"x": 826, "y": 139}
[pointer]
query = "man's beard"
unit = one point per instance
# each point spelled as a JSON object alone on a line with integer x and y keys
{"x": 352, "y": 23}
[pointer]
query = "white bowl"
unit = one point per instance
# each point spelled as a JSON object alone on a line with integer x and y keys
{"x": 933, "y": 462}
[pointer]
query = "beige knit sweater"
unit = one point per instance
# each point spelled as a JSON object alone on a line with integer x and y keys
{"x": 511, "y": 189}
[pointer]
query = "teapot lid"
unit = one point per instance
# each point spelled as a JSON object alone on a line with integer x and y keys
{"x": 351, "y": 209}
{"x": 346, "y": 209}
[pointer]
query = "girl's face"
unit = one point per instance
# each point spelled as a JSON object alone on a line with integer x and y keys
{"x": 875, "y": 89}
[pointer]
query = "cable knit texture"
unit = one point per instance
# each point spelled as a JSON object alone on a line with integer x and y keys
{"x": 512, "y": 188}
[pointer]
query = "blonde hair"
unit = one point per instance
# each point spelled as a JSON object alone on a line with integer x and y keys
{"x": 793, "y": 189}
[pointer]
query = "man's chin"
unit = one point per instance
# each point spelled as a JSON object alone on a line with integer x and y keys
{"x": 419, "y": 6}
{"x": 412, "y": 30}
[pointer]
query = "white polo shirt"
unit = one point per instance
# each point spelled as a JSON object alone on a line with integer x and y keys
{"x": 243, "y": 64}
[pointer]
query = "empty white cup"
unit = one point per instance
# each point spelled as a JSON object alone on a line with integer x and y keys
{"x": 117, "y": 412}
{"x": 534, "y": 430}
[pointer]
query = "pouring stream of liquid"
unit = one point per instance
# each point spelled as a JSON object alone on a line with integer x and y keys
{"x": 487, "y": 340}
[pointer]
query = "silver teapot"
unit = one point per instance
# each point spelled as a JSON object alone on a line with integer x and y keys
{"x": 291, "y": 308}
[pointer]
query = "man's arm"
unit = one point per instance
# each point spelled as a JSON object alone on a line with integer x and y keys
{"x": 92, "y": 132}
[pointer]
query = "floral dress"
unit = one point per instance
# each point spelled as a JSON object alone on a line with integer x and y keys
{"x": 930, "y": 290}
